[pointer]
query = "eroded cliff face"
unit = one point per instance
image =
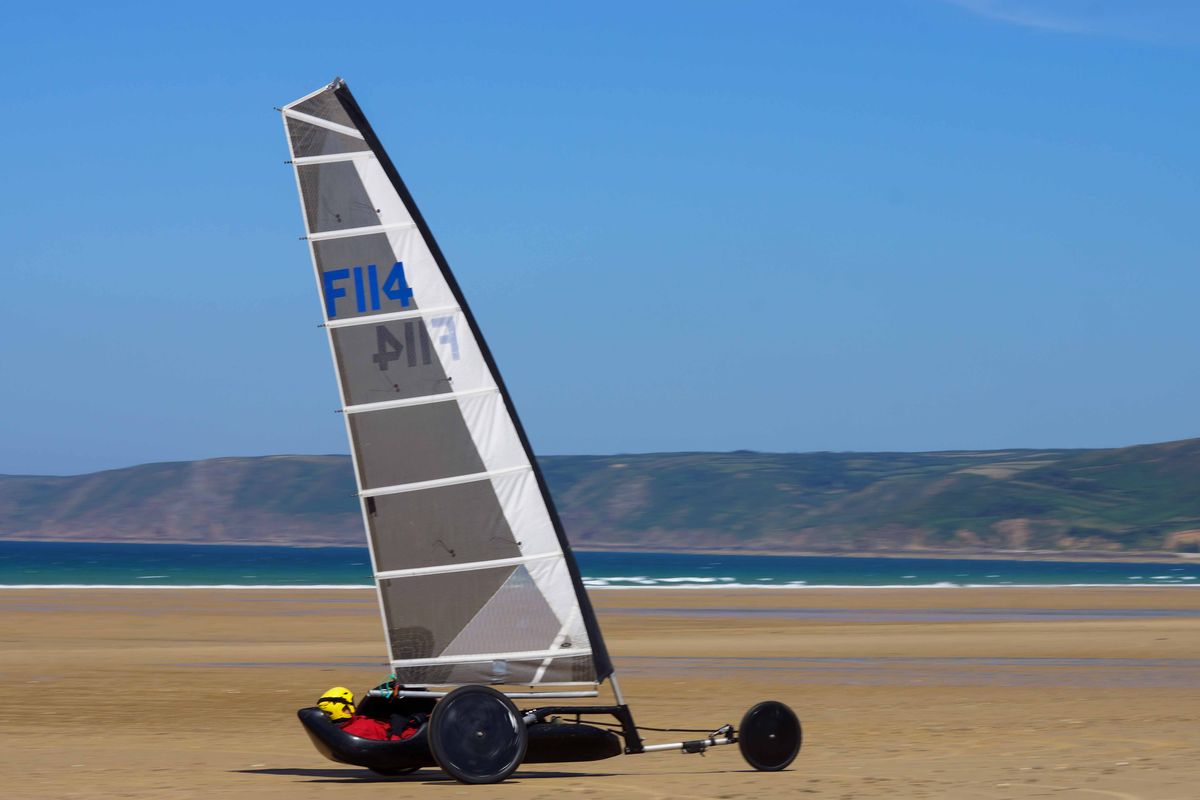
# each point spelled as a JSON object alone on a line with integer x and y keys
{"x": 1129, "y": 500}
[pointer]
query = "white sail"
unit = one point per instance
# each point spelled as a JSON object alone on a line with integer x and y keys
{"x": 476, "y": 580}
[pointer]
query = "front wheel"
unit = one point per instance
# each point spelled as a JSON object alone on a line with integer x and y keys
{"x": 770, "y": 736}
{"x": 477, "y": 735}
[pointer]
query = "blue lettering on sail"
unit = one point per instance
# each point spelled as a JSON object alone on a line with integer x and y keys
{"x": 450, "y": 337}
{"x": 373, "y": 280}
{"x": 396, "y": 287}
{"x": 359, "y": 296}
{"x": 332, "y": 292}
{"x": 366, "y": 288}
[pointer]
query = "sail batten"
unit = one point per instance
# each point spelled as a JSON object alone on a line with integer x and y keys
{"x": 395, "y": 315}
{"x": 351, "y": 232}
{"x": 418, "y": 400}
{"x": 325, "y": 159}
{"x": 476, "y": 579}
{"x": 345, "y": 130}
{"x": 481, "y": 657}
{"x": 453, "y": 480}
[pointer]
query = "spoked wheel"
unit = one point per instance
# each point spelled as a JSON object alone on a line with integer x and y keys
{"x": 769, "y": 736}
{"x": 477, "y": 735}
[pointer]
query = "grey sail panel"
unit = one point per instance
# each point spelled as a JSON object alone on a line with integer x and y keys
{"x": 402, "y": 363}
{"x": 462, "y": 523}
{"x": 335, "y": 198}
{"x": 326, "y": 106}
{"x": 494, "y": 619}
{"x": 410, "y": 358}
{"x": 425, "y": 613}
{"x": 475, "y": 576}
{"x": 312, "y": 140}
{"x": 395, "y": 448}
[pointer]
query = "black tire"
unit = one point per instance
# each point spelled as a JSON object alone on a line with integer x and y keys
{"x": 770, "y": 736}
{"x": 477, "y": 735}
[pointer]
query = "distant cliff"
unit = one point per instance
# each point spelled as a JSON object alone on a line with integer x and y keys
{"x": 1142, "y": 499}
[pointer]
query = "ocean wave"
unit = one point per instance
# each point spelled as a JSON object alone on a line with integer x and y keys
{"x": 662, "y": 583}
{"x": 186, "y": 586}
{"x": 602, "y": 584}
{"x": 596, "y": 584}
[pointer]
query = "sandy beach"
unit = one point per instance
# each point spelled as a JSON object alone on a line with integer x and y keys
{"x": 958, "y": 693}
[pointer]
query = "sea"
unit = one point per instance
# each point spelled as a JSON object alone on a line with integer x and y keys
{"x": 31, "y": 564}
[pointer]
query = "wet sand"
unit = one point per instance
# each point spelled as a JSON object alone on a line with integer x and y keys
{"x": 943, "y": 693}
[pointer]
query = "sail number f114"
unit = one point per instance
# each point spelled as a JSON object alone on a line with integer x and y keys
{"x": 367, "y": 288}
{"x": 389, "y": 348}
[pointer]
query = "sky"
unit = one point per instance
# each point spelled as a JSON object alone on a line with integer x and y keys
{"x": 777, "y": 226}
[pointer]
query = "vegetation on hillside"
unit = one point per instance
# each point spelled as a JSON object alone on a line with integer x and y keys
{"x": 1134, "y": 499}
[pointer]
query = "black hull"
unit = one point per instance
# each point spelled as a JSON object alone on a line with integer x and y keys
{"x": 558, "y": 742}
{"x": 548, "y": 743}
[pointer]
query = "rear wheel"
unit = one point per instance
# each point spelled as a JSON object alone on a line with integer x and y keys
{"x": 477, "y": 735}
{"x": 769, "y": 736}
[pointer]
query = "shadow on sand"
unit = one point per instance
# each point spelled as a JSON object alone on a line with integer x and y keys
{"x": 429, "y": 775}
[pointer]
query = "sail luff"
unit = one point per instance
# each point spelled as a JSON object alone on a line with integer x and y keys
{"x": 362, "y": 503}
{"x": 479, "y": 475}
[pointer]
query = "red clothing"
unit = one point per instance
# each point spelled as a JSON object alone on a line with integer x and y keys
{"x": 368, "y": 728}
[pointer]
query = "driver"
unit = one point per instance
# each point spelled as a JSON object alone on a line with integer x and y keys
{"x": 338, "y": 704}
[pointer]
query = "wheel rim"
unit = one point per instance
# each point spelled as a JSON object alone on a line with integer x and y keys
{"x": 477, "y": 736}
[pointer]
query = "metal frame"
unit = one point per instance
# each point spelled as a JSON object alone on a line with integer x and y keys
{"x": 629, "y": 730}
{"x": 634, "y": 745}
{"x": 436, "y": 694}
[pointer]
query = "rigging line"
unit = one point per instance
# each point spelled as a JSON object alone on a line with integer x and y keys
{"x": 675, "y": 730}
{"x": 618, "y": 726}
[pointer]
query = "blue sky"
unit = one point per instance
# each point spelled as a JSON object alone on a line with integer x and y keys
{"x": 907, "y": 225}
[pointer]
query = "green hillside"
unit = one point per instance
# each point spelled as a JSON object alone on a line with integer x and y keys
{"x": 1142, "y": 499}
{"x": 273, "y": 499}
{"x": 1131, "y": 499}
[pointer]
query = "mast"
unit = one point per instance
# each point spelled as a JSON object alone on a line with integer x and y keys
{"x": 475, "y": 576}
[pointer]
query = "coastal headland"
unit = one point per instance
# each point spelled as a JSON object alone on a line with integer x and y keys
{"x": 1117, "y": 503}
{"x": 913, "y": 693}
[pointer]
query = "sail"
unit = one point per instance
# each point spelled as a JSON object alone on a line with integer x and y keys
{"x": 476, "y": 580}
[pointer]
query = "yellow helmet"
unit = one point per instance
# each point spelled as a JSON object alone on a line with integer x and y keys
{"x": 338, "y": 703}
